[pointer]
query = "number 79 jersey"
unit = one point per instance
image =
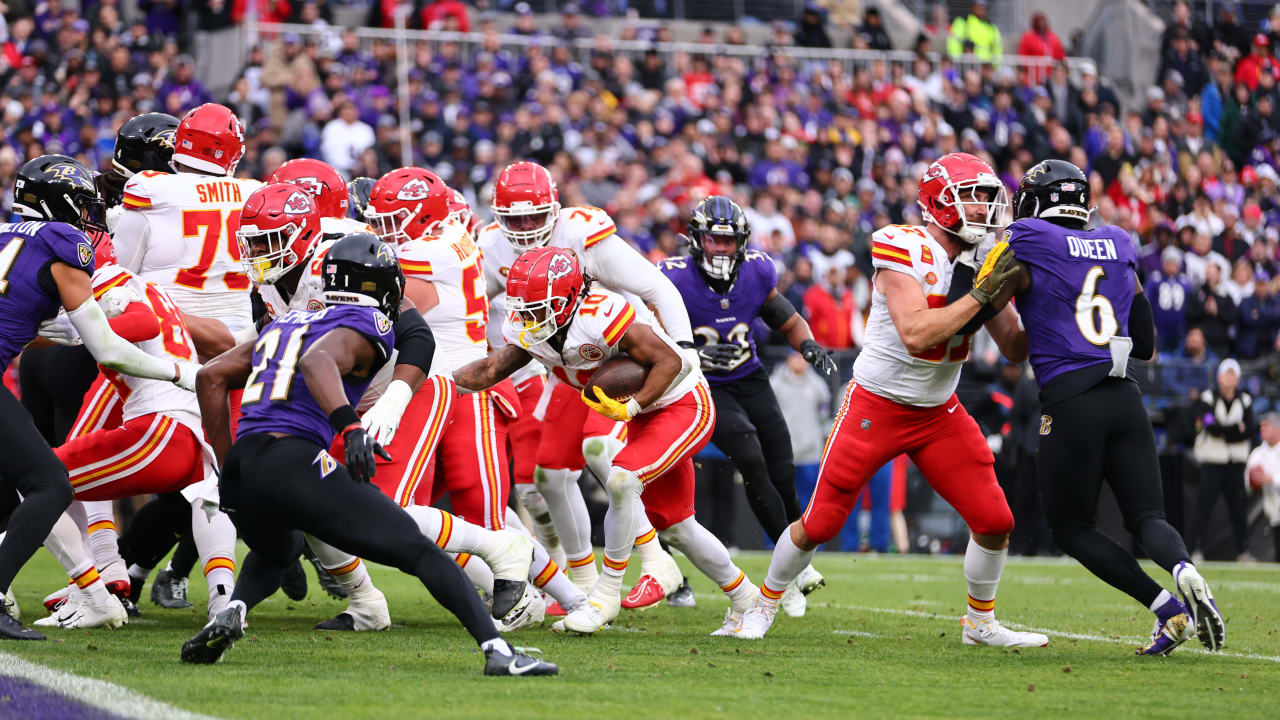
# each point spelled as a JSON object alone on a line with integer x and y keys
{"x": 1082, "y": 288}
{"x": 451, "y": 262}
{"x": 884, "y": 366}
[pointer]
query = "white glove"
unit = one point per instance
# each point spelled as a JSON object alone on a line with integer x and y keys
{"x": 114, "y": 301}
{"x": 186, "y": 375}
{"x": 113, "y": 217}
{"x": 996, "y": 443}
{"x": 60, "y": 330}
{"x": 383, "y": 419}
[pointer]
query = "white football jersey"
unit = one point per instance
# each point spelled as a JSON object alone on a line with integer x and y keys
{"x": 188, "y": 243}
{"x": 143, "y": 396}
{"x": 577, "y": 228}
{"x": 884, "y": 366}
{"x": 451, "y": 262}
{"x": 599, "y": 323}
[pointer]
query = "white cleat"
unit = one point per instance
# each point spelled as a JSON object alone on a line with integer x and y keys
{"x": 991, "y": 632}
{"x": 731, "y": 622}
{"x": 368, "y": 610}
{"x": 590, "y": 616}
{"x": 756, "y": 621}
{"x": 82, "y": 613}
{"x": 512, "y": 556}
{"x": 1209, "y": 625}
{"x": 810, "y": 580}
{"x": 793, "y": 601}
{"x": 530, "y": 611}
{"x": 55, "y": 599}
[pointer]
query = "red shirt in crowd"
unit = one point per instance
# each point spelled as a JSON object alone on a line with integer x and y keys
{"x": 831, "y": 320}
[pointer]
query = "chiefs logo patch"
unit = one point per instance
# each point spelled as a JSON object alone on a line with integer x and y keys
{"x": 560, "y": 266}
{"x": 298, "y": 203}
{"x": 313, "y": 185}
{"x": 415, "y": 189}
{"x": 84, "y": 253}
{"x": 590, "y": 352}
{"x": 314, "y": 305}
{"x": 931, "y": 278}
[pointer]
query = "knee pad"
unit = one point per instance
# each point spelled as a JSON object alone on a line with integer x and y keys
{"x": 623, "y": 485}
{"x": 532, "y": 500}
{"x": 821, "y": 523}
{"x": 599, "y": 452}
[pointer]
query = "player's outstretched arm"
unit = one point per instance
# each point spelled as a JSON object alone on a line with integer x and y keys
{"x": 214, "y": 383}
{"x": 920, "y": 326}
{"x": 779, "y": 314}
{"x": 415, "y": 346}
{"x": 1142, "y": 324}
{"x": 337, "y": 353}
{"x": 618, "y": 266}
{"x": 492, "y": 369}
{"x": 211, "y": 337}
{"x": 666, "y": 367}
{"x": 111, "y": 350}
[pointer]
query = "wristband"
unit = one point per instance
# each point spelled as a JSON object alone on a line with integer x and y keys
{"x": 343, "y": 418}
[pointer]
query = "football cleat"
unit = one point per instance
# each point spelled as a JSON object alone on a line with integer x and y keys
{"x": 682, "y": 597}
{"x": 365, "y": 613}
{"x": 663, "y": 568}
{"x": 327, "y": 581}
{"x": 170, "y": 592}
{"x": 1172, "y": 628}
{"x": 531, "y": 610}
{"x": 294, "y": 582}
{"x": 517, "y": 662}
{"x": 1209, "y": 626}
{"x": 510, "y": 563}
{"x": 11, "y": 604}
{"x": 810, "y": 580}
{"x": 55, "y": 599}
{"x": 116, "y": 578}
{"x": 11, "y": 629}
{"x": 731, "y": 622}
{"x": 646, "y": 593}
{"x": 756, "y": 621}
{"x": 793, "y": 601}
{"x": 991, "y": 632}
{"x": 130, "y": 609}
{"x": 600, "y": 609}
{"x": 80, "y": 612}
{"x": 215, "y": 638}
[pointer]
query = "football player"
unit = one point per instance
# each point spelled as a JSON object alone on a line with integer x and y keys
{"x": 725, "y": 288}
{"x": 902, "y": 398}
{"x": 526, "y": 204}
{"x": 45, "y": 264}
{"x": 1085, "y": 314}
{"x": 301, "y": 380}
{"x": 561, "y": 320}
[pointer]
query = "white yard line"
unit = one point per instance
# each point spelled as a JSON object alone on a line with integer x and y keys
{"x": 98, "y": 693}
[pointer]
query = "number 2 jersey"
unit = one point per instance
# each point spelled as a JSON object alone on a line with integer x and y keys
{"x": 179, "y": 232}
{"x": 28, "y": 295}
{"x": 1082, "y": 287}
{"x": 884, "y": 366}
{"x": 596, "y": 328}
{"x": 725, "y": 318}
{"x": 276, "y": 397}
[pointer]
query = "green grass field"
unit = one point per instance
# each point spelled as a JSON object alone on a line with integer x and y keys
{"x": 881, "y": 640}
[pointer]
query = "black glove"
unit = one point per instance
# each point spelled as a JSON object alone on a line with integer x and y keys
{"x": 721, "y": 356}
{"x": 360, "y": 454}
{"x": 817, "y": 356}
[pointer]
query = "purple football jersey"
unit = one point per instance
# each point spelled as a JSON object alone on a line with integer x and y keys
{"x": 1082, "y": 284}
{"x": 28, "y": 295}
{"x": 727, "y": 318}
{"x": 276, "y": 397}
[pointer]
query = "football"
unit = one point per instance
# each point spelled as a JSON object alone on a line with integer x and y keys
{"x": 619, "y": 378}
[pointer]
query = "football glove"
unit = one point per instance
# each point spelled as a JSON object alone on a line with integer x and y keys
{"x": 59, "y": 329}
{"x": 361, "y": 450}
{"x": 114, "y": 301}
{"x": 382, "y": 420}
{"x": 610, "y": 408}
{"x": 996, "y": 272}
{"x": 721, "y": 356}
{"x": 817, "y": 356}
{"x": 186, "y": 375}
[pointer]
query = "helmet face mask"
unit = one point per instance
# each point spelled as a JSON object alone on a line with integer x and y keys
{"x": 718, "y": 233}
{"x": 526, "y": 204}
{"x": 267, "y": 254}
{"x": 57, "y": 188}
{"x": 279, "y": 228}
{"x": 952, "y": 186}
{"x": 543, "y": 290}
{"x": 390, "y": 227}
{"x": 408, "y": 204}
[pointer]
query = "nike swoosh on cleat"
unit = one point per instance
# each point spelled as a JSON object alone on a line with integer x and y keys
{"x": 518, "y": 670}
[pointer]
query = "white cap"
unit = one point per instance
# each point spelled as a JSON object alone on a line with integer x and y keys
{"x": 1229, "y": 365}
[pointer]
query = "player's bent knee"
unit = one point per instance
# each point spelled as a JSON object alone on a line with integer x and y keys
{"x": 623, "y": 485}
{"x": 821, "y": 524}
{"x": 52, "y": 484}
{"x": 532, "y": 500}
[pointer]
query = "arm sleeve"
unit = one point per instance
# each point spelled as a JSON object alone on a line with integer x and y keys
{"x": 619, "y": 267}
{"x": 130, "y": 240}
{"x": 1142, "y": 327}
{"x": 414, "y": 341}
{"x": 114, "y": 351}
{"x": 136, "y": 323}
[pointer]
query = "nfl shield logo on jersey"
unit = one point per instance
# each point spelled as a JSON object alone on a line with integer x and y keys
{"x": 866, "y": 424}
{"x": 314, "y": 305}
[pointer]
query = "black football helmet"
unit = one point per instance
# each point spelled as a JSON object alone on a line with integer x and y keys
{"x": 58, "y": 188}
{"x": 145, "y": 142}
{"x": 718, "y": 216}
{"x": 1054, "y": 190}
{"x": 362, "y": 270}
{"x": 358, "y": 191}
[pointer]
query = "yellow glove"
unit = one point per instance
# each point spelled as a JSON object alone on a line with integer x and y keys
{"x": 996, "y": 271}
{"x": 610, "y": 408}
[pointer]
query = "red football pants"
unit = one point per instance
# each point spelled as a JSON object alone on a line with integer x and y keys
{"x": 526, "y": 431}
{"x": 943, "y": 441}
{"x": 568, "y": 422}
{"x": 148, "y": 454}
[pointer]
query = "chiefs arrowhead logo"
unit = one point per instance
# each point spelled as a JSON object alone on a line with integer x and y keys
{"x": 313, "y": 185}
{"x": 415, "y": 189}
{"x": 299, "y": 203}
{"x": 560, "y": 266}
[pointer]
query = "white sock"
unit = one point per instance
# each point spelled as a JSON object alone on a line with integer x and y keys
{"x": 138, "y": 574}
{"x": 786, "y": 565}
{"x": 476, "y": 571}
{"x": 647, "y": 547}
{"x": 215, "y": 539}
{"x": 567, "y": 508}
{"x": 65, "y": 542}
{"x": 346, "y": 568}
{"x": 498, "y": 645}
{"x": 982, "y": 570}
{"x": 705, "y": 551}
{"x": 450, "y": 532}
{"x": 620, "y": 521}
{"x": 1161, "y": 599}
{"x": 104, "y": 540}
{"x": 544, "y": 531}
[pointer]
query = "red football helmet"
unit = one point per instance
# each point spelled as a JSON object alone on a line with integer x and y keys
{"x": 321, "y": 179}
{"x": 279, "y": 229}
{"x": 407, "y": 204}
{"x": 210, "y": 138}
{"x": 543, "y": 290}
{"x": 950, "y": 184}
{"x": 459, "y": 208}
{"x": 526, "y": 204}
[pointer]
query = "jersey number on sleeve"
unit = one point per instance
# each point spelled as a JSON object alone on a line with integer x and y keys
{"x": 1095, "y": 316}
{"x": 209, "y": 225}
{"x": 953, "y": 349}
{"x": 591, "y": 304}
{"x": 287, "y": 364}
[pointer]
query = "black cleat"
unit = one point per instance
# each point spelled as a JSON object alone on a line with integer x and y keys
{"x": 11, "y": 629}
{"x": 216, "y": 638}
{"x": 343, "y": 622}
{"x": 294, "y": 582}
{"x": 170, "y": 592}
{"x": 130, "y": 609}
{"x": 506, "y": 595}
{"x": 682, "y": 597}
{"x": 328, "y": 582}
{"x": 517, "y": 663}
{"x": 135, "y": 590}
